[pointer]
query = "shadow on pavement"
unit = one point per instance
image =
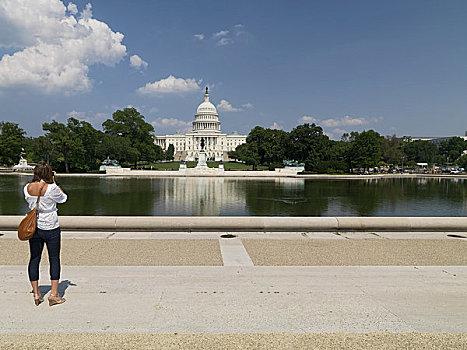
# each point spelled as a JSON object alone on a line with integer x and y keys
{"x": 62, "y": 287}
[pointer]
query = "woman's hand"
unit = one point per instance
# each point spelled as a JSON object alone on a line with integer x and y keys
{"x": 55, "y": 182}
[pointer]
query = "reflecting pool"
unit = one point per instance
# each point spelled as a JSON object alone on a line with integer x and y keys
{"x": 248, "y": 197}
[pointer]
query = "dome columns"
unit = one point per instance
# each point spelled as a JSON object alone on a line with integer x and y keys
{"x": 206, "y": 117}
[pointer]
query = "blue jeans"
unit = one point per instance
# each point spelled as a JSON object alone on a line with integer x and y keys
{"x": 36, "y": 244}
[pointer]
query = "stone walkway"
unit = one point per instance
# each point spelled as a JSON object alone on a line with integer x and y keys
{"x": 199, "y": 290}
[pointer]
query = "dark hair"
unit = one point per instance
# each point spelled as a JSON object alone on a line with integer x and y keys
{"x": 43, "y": 171}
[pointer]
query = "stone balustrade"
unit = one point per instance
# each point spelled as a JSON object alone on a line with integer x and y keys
{"x": 250, "y": 223}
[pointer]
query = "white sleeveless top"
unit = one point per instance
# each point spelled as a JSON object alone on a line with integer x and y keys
{"x": 47, "y": 218}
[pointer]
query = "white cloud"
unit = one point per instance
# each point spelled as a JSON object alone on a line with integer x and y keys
{"x": 220, "y": 33}
{"x": 344, "y": 121}
{"x": 140, "y": 109}
{"x": 339, "y": 131}
{"x": 275, "y": 125}
{"x": 96, "y": 119}
{"x": 334, "y": 126}
{"x": 101, "y": 117}
{"x": 225, "y": 106}
{"x": 224, "y": 41}
{"x": 335, "y": 134}
{"x": 308, "y": 119}
{"x": 239, "y": 29}
{"x": 248, "y": 105}
{"x": 339, "y": 122}
{"x": 225, "y": 36}
{"x": 172, "y": 124}
{"x": 76, "y": 114}
{"x": 87, "y": 12}
{"x": 170, "y": 85}
{"x": 54, "y": 50}
{"x": 72, "y": 8}
{"x": 137, "y": 62}
{"x": 55, "y": 116}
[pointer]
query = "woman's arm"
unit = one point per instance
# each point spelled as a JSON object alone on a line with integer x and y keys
{"x": 55, "y": 182}
{"x": 59, "y": 195}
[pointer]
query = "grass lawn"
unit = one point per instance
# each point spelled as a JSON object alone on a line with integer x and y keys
{"x": 163, "y": 166}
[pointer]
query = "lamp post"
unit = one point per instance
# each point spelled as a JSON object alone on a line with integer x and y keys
{"x": 402, "y": 164}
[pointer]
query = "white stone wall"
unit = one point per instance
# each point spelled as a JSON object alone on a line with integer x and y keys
{"x": 215, "y": 144}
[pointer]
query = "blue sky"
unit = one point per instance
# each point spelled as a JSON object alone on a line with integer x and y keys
{"x": 398, "y": 67}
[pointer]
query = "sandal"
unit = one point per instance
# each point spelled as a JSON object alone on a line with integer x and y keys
{"x": 55, "y": 299}
{"x": 38, "y": 299}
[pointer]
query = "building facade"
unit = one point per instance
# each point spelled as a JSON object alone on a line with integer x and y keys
{"x": 436, "y": 140}
{"x": 205, "y": 126}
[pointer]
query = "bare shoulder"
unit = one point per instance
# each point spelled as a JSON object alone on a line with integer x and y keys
{"x": 34, "y": 187}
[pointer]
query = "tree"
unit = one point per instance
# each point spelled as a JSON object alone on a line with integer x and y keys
{"x": 11, "y": 142}
{"x": 115, "y": 147}
{"x": 42, "y": 148}
{"x": 420, "y": 151}
{"x": 308, "y": 143}
{"x": 130, "y": 124}
{"x": 89, "y": 138}
{"x": 264, "y": 146}
{"x": 255, "y": 150}
{"x": 169, "y": 154}
{"x": 452, "y": 148}
{"x": 274, "y": 147}
{"x": 391, "y": 149}
{"x": 462, "y": 161}
{"x": 65, "y": 141}
{"x": 338, "y": 154}
{"x": 233, "y": 154}
{"x": 366, "y": 149}
{"x": 248, "y": 153}
{"x": 345, "y": 150}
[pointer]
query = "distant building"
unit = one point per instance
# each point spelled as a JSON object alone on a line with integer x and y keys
{"x": 435, "y": 140}
{"x": 205, "y": 126}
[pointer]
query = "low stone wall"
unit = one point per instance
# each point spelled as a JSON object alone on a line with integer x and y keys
{"x": 250, "y": 223}
{"x": 127, "y": 173}
{"x": 210, "y": 172}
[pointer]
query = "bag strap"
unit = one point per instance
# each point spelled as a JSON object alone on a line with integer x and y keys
{"x": 39, "y": 196}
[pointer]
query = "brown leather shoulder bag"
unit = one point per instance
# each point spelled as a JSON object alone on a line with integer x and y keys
{"x": 28, "y": 225}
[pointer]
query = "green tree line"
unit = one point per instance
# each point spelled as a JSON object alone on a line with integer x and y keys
{"x": 308, "y": 144}
{"x": 77, "y": 146}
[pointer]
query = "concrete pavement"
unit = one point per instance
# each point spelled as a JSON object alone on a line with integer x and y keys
{"x": 388, "y": 341}
{"x": 203, "y": 291}
{"x": 156, "y": 299}
{"x": 273, "y": 249}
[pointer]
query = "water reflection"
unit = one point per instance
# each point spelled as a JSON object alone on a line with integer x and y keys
{"x": 11, "y": 194}
{"x": 243, "y": 196}
{"x": 198, "y": 196}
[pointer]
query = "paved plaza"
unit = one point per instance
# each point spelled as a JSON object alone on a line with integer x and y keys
{"x": 256, "y": 290}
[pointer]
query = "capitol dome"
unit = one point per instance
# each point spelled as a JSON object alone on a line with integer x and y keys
{"x": 206, "y": 117}
{"x": 206, "y": 137}
{"x": 206, "y": 107}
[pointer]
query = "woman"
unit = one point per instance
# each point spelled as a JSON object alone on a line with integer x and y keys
{"x": 48, "y": 230}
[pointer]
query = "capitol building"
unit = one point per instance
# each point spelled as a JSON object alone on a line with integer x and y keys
{"x": 205, "y": 126}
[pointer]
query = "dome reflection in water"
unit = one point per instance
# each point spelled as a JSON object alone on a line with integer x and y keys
{"x": 242, "y": 196}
